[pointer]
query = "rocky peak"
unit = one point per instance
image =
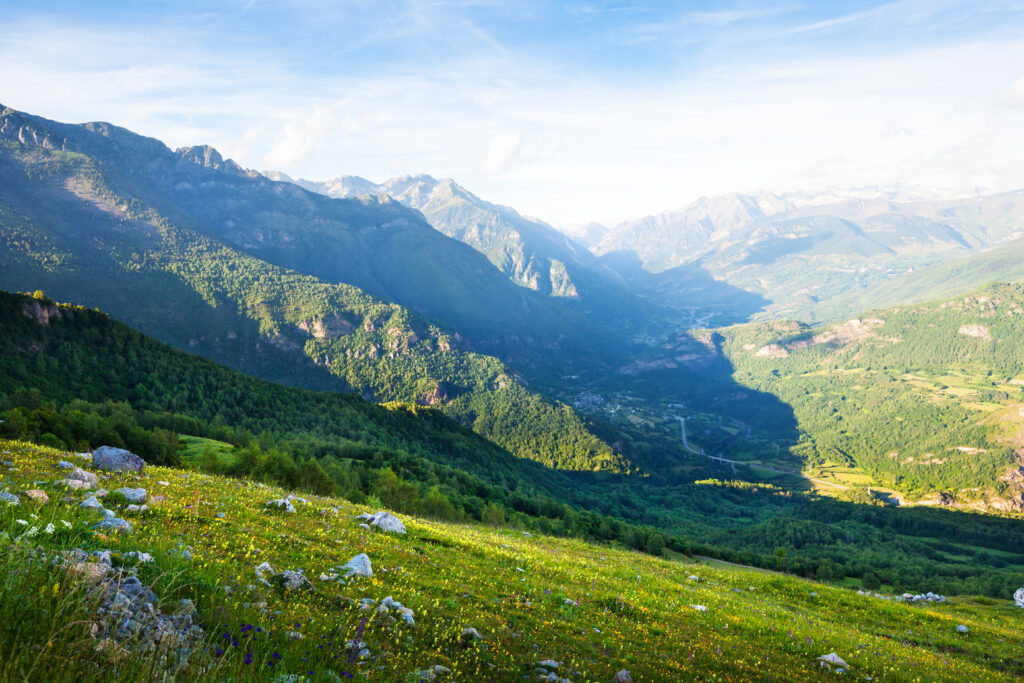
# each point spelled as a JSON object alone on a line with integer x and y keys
{"x": 208, "y": 157}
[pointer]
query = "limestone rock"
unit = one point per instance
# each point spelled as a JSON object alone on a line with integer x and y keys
{"x": 359, "y": 566}
{"x": 137, "y": 496}
{"x": 37, "y": 495}
{"x": 9, "y": 498}
{"x": 281, "y": 504}
{"x": 117, "y": 460}
{"x": 1018, "y": 597}
{"x": 622, "y": 677}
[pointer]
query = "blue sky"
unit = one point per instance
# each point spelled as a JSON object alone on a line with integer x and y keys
{"x": 570, "y": 111}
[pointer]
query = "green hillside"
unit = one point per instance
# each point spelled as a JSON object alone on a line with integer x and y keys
{"x": 925, "y": 397}
{"x": 102, "y": 217}
{"x": 74, "y": 378}
{"x": 581, "y": 611}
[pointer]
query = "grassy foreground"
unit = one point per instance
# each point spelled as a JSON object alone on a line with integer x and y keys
{"x": 595, "y": 610}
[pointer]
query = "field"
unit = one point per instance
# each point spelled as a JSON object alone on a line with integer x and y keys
{"x": 595, "y": 610}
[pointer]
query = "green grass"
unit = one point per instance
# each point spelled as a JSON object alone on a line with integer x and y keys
{"x": 629, "y": 611}
{"x": 194, "y": 447}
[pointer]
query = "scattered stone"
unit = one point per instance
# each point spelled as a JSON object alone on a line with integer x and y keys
{"x": 137, "y": 496}
{"x": 75, "y": 484}
{"x": 570, "y": 602}
{"x": 263, "y": 569}
{"x": 622, "y": 677}
{"x": 65, "y": 465}
{"x": 693, "y": 577}
{"x": 136, "y": 508}
{"x": 117, "y": 460}
{"x": 434, "y": 673}
{"x": 9, "y": 498}
{"x": 699, "y": 608}
{"x": 91, "y": 503}
{"x": 832, "y": 659}
{"x": 293, "y": 580}
{"x": 548, "y": 664}
{"x": 164, "y": 483}
{"x": 359, "y": 566}
{"x": 281, "y": 504}
{"x": 295, "y": 635}
{"x": 38, "y": 496}
{"x": 78, "y": 474}
{"x": 1018, "y": 597}
{"x": 220, "y": 515}
{"x": 469, "y": 636}
{"x": 384, "y": 521}
{"x": 961, "y": 628}
{"x": 115, "y": 524}
{"x": 364, "y": 526}
{"x": 813, "y": 594}
{"x": 140, "y": 557}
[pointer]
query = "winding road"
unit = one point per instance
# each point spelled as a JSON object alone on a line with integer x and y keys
{"x": 719, "y": 458}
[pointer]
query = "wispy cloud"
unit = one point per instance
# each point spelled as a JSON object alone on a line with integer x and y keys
{"x": 539, "y": 113}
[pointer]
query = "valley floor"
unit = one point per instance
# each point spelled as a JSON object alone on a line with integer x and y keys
{"x": 591, "y": 610}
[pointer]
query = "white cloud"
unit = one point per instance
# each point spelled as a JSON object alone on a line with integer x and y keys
{"x": 505, "y": 150}
{"x": 300, "y": 138}
{"x": 598, "y": 149}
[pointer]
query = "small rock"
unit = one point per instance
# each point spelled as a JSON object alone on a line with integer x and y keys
{"x": 9, "y": 498}
{"x": 359, "y": 566}
{"x": 117, "y": 460}
{"x": 281, "y": 504}
{"x": 961, "y": 628}
{"x": 693, "y": 577}
{"x": 293, "y": 580}
{"x": 264, "y": 568}
{"x": 699, "y": 608}
{"x": 78, "y": 474}
{"x": 65, "y": 465}
{"x": 91, "y": 503}
{"x": 295, "y": 635}
{"x": 37, "y": 495}
{"x": 1018, "y": 597}
{"x": 387, "y": 522}
{"x": 469, "y": 636}
{"x": 220, "y": 515}
{"x": 364, "y": 525}
{"x": 115, "y": 524}
{"x": 832, "y": 659}
{"x": 622, "y": 677}
{"x": 137, "y": 496}
{"x": 548, "y": 664}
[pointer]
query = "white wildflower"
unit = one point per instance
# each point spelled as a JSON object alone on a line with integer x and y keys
{"x": 31, "y": 532}
{"x": 22, "y": 522}
{"x": 66, "y": 523}
{"x": 50, "y": 528}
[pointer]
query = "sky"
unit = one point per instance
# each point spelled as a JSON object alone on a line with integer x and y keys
{"x": 570, "y": 111}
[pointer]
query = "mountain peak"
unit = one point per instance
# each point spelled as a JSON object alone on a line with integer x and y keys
{"x": 208, "y": 157}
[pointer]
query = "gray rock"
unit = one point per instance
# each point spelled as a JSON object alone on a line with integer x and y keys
{"x": 295, "y": 635}
{"x": 136, "y": 508}
{"x": 137, "y": 496}
{"x": 75, "y": 484}
{"x": 1018, "y": 597}
{"x": 91, "y": 503}
{"x": 293, "y": 580}
{"x": 359, "y": 566}
{"x": 548, "y": 664}
{"x": 117, "y": 460}
{"x": 264, "y": 568}
{"x": 115, "y": 524}
{"x": 65, "y": 465}
{"x": 281, "y": 504}
{"x": 79, "y": 474}
{"x": 9, "y": 498}
{"x": 469, "y": 636}
{"x": 961, "y": 628}
{"x": 622, "y": 677}
{"x": 385, "y": 521}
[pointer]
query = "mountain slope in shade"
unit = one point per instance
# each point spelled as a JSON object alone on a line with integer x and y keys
{"x": 196, "y": 251}
{"x": 530, "y": 252}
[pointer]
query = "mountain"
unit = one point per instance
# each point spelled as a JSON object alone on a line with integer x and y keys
{"x": 798, "y": 250}
{"x": 279, "y": 282}
{"x": 530, "y": 252}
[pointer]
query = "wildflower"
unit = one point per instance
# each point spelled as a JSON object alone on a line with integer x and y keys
{"x": 50, "y": 528}
{"x": 21, "y": 522}
{"x": 66, "y": 523}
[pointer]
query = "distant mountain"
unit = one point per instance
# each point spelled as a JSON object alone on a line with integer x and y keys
{"x": 282, "y": 283}
{"x": 800, "y": 249}
{"x": 530, "y": 252}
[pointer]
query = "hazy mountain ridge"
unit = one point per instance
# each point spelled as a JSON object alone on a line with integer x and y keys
{"x": 800, "y": 249}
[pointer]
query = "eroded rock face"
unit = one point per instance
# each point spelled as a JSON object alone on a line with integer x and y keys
{"x": 117, "y": 460}
{"x": 976, "y": 331}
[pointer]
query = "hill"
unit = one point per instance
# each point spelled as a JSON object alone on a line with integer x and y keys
{"x": 74, "y": 378}
{"x": 924, "y": 397}
{"x": 210, "y": 583}
{"x": 258, "y": 275}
